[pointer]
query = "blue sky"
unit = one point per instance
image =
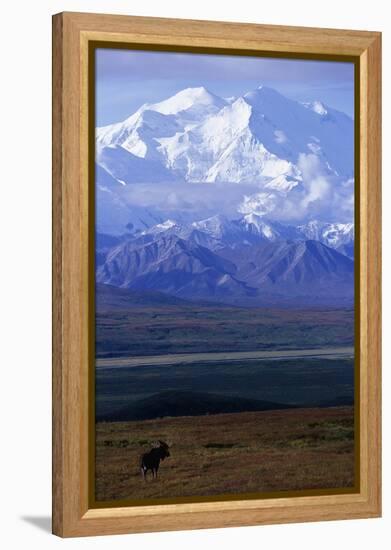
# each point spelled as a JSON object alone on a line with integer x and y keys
{"x": 126, "y": 79}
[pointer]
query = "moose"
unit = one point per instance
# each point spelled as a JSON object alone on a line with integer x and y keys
{"x": 151, "y": 460}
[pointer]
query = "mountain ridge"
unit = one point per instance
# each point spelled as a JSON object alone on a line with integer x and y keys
{"x": 265, "y": 272}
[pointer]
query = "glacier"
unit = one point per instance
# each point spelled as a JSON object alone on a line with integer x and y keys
{"x": 276, "y": 151}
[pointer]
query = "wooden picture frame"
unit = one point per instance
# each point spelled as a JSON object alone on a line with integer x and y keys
{"x": 73, "y": 514}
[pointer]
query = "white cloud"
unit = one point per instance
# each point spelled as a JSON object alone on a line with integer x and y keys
{"x": 318, "y": 194}
{"x": 279, "y": 136}
{"x": 259, "y": 203}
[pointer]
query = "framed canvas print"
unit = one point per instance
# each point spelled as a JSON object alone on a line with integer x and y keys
{"x": 216, "y": 304}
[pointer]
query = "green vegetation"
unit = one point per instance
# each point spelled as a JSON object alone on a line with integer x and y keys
{"x": 164, "y": 329}
{"x": 222, "y": 445}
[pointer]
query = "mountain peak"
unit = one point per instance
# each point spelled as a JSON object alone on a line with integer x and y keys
{"x": 218, "y": 226}
{"x": 317, "y": 107}
{"x": 160, "y": 227}
{"x": 214, "y": 221}
{"x": 167, "y": 224}
{"x": 335, "y": 235}
{"x": 262, "y": 93}
{"x": 258, "y": 225}
{"x": 265, "y": 89}
{"x": 254, "y": 220}
{"x": 196, "y": 91}
{"x": 186, "y": 99}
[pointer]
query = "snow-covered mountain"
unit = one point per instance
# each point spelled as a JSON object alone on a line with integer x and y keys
{"x": 274, "y": 147}
{"x": 339, "y": 236}
{"x": 251, "y": 229}
{"x": 198, "y": 136}
{"x": 267, "y": 230}
{"x": 140, "y": 134}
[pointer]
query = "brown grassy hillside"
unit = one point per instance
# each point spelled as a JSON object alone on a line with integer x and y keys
{"x": 228, "y": 453}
